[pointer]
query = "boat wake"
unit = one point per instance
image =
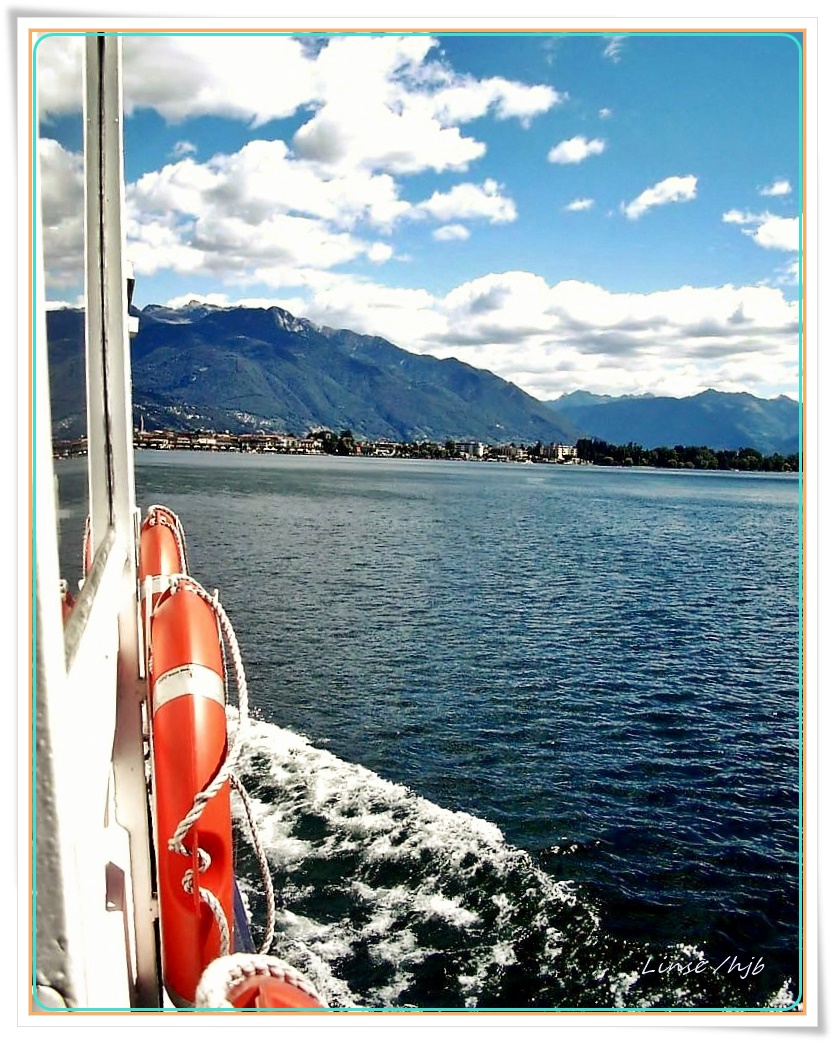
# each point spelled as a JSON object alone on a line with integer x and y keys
{"x": 386, "y": 900}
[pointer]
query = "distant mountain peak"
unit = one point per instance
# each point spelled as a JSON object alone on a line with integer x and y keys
{"x": 286, "y": 320}
{"x": 717, "y": 419}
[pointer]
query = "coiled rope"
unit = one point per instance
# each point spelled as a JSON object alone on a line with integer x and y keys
{"x": 176, "y": 844}
{"x": 266, "y": 875}
{"x": 223, "y": 974}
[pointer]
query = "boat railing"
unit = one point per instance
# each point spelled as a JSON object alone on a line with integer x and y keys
{"x": 94, "y": 910}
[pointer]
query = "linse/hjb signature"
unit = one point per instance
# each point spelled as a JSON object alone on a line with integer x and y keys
{"x": 743, "y": 967}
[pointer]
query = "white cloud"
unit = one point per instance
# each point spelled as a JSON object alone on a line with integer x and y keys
{"x": 61, "y": 180}
{"x": 671, "y": 190}
{"x": 576, "y": 334}
{"x": 263, "y": 209}
{"x": 252, "y": 215}
{"x": 554, "y": 338}
{"x": 333, "y": 188}
{"x": 495, "y": 302}
{"x": 250, "y": 78}
{"x": 605, "y": 113}
{"x": 58, "y": 72}
{"x": 178, "y": 188}
{"x": 401, "y": 113}
{"x": 451, "y": 232}
{"x": 613, "y": 48}
{"x": 577, "y": 205}
{"x": 522, "y": 101}
{"x": 406, "y": 317}
{"x": 154, "y": 246}
{"x": 369, "y": 135}
{"x": 258, "y": 208}
{"x": 232, "y": 236}
{"x": 781, "y": 187}
{"x": 575, "y": 150}
{"x": 778, "y": 233}
{"x": 275, "y": 221}
{"x": 787, "y": 275}
{"x": 739, "y": 217}
{"x": 768, "y": 231}
{"x": 470, "y": 99}
{"x": 264, "y": 176}
{"x": 468, "y": 201}
{"x": 233, "y": 244}
{"x": 379, "y": 252}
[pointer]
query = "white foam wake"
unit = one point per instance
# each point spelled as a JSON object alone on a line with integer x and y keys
{"x": 411, "y": 872}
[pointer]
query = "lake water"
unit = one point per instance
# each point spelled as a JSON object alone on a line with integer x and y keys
{"x": 525, "y": 737}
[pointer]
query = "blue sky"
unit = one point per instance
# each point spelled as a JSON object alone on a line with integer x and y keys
{"x": 617, "y": 214}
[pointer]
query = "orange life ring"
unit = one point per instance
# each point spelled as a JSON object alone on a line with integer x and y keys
{"x": 161, "y": 555}
{"x": 271, "y": 993}
{"x": 161, "y": 550}
{"x": 188, "y": 747}
{"x": 256, "y": 981}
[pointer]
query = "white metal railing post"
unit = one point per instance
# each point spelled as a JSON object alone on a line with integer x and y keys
{"x": 110, "y": 452}
{"x": 57, "y": 977}
{"x": 109, "y": 396}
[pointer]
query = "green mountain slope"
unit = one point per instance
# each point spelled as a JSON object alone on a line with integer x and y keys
{"x": 244, "y": 369}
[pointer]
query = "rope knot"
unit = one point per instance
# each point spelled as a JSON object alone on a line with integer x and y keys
{"x": 204, "y": 858}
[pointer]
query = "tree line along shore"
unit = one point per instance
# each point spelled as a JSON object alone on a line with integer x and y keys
{"x": 594, "y": 451}
{"x": 691, "y": 457}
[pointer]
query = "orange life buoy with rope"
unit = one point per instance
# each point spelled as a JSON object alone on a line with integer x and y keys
{"x": 161, "y": 551}
{"x": 272, "y": 993}
{"x": 189, "y": 746}
{"x": 248, "y": 981}
{"x": 185, "y": 630}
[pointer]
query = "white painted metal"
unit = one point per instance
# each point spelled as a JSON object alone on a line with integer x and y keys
{"x": 95, "y": 922}
{"x": 58, "y": 927}
{"x": 109, "y": 396}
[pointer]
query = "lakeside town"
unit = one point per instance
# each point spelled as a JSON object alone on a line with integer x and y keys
{"x": 325, "y": 442}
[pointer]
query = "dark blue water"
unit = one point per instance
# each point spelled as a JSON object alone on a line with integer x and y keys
{"x": 528, "y": 735}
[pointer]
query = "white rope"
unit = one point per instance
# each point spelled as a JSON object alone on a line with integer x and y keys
{"x": 85, "y": 547}
{"x": 211, "y": 900}
{"x": 211, "y": 790}
{"x": 266, "y": 875}
{"x": 221, "y": 975}
{"x": 176, "y": 844}
{"x": 159, "y": 515}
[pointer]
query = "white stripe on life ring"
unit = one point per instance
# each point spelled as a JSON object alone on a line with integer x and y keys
{"x": 156, "y": 584}
{"x": 190, "y": 679}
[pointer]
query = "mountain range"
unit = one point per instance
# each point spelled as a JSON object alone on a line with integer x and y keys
{"x": 254, "y": 369}
{"x": 249, "y": 369}
{"x": 718, "y": 419}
